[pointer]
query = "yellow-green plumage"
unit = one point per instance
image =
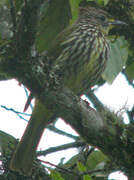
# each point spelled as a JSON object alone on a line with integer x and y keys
{"x": 80, "y": 52}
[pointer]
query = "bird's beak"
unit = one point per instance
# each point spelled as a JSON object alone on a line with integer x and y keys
{"x": 117, "y": 22}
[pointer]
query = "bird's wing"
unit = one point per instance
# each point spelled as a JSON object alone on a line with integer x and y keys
{"x": 57, "y": 45}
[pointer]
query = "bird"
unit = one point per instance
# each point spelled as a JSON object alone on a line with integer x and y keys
{"x": 78, "y": 56}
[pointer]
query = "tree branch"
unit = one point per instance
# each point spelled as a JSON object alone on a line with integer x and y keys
{"x": 13, "y": 15}
{"x": 94, "y": 127}
{"x": 27, "y": 26}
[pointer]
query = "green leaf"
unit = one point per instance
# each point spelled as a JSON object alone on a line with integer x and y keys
{"x": 106, "y": 2}
{"x": 81, "y": 167}
{"x": 100, "y": 2}
{"x": 56, "y": 175}
{"x": 130, "y": 71}
{"x": 74, "y": 8}
{"x": 7, "y": 143}
{"x": 87, "y": 177}
{"x": 117, "y": 59}
{"x": 95, "y": 159}
{"x": 54, "y": 17}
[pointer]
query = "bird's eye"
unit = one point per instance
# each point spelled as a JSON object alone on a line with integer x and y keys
{"x": 103, "y": 18}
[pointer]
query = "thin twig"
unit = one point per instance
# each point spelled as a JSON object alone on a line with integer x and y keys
{"x": 60, "y": 148}
{"x": 58, "y": 131}
{"x": 27, "y": 95}
{"x": 16, "y": 112}
{"x": 92, "y": 171}
{"x": 96, "y": 102}
{"x": 65, "y": 170}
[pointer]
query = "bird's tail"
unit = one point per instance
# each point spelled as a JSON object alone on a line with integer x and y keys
{"x": 24, "y": 154}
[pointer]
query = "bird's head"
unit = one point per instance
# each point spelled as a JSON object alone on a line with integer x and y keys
{"x": 99, "y": 17}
